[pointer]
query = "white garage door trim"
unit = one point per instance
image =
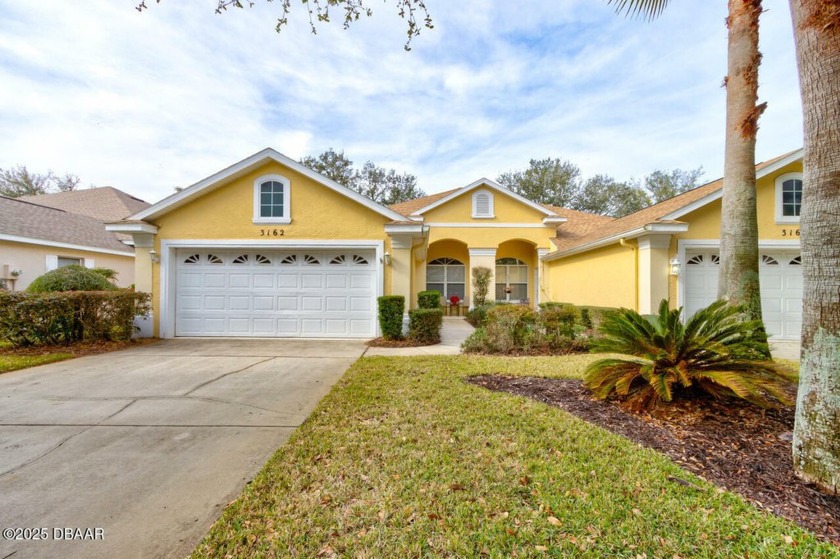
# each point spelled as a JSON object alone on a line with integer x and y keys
{"x": 701, "y": 244}
{"x": 168, "y": 265}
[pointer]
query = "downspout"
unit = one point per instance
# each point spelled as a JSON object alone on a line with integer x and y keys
{"x": 623, "y": 242}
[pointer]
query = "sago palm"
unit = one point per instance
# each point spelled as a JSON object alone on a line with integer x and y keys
{"x": 716, "y": 352}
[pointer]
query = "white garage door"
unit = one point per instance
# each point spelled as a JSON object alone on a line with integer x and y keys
{"x": 274, "y": 293}
{"x": 781, "y": 288}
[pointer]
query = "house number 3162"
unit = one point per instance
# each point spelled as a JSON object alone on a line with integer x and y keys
{"x": 790, "y": 232}
{"x": 272, "y": 233}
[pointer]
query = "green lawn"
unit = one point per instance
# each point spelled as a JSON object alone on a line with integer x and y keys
{"x": 15, "y": 362}
{"x": 404, "y": 459}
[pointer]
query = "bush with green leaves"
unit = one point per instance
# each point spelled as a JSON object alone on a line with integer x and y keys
{"x": 428, "y": 299}
{"x": 391, "y": 309}
{"x": 559, "y": 321}
{"x": 424, "y": 325}
{"x": 715, "y": 353}
{"x": 511, "y": 327}
{"x": 478, "y": 314}
{"x": 481, "y": 278}
{"x": 70, "y": 316}
{"x": 586, "y": 318}
{"x": 74, "y": 278}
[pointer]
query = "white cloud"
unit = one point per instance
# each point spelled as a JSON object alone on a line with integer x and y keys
{"x": 149, "y": 101}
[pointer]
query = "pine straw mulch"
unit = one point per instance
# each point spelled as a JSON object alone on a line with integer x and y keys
{"x": 77, "y": 349}
{"x": 733, "y": 445}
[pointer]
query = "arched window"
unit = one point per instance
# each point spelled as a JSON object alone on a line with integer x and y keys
{"x": 788, "y": 197}
{"x": 482, "y": 204}
{"x": 272, "y": 200}
{"x": 511, "y": 280}
{"x": 448, "y": 276}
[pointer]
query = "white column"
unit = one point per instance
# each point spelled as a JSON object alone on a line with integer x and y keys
{"x": 482, "y": 257}
{"x": 538, "y": 286}
{"x": 653, "y": 272}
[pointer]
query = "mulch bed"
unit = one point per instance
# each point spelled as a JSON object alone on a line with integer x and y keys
{"x": 77, "y": 350}
{"x": 733, "y": 445}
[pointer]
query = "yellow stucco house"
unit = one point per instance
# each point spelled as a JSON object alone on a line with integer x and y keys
{"x": 269, "y": 248}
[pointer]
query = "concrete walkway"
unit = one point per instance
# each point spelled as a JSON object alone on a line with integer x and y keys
{"x": 455, "y": 331}
{"x": 146, "y": 446}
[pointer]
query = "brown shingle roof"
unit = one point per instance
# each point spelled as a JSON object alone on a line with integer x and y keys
{"x": 411, "y": 206}
{"x": 25, "y": 219}
{"x": 569, "y": 237}
{"x": 105, "y": 203}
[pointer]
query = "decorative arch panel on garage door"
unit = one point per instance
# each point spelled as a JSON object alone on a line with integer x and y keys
{"x": 275, "y": 293}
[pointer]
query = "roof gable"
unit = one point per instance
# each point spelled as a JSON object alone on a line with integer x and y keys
{"x": 246, "y": 166}
{"x": 486, "y": 183}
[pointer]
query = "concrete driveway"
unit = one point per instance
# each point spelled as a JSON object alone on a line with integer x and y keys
{"x": 145, "y": 447}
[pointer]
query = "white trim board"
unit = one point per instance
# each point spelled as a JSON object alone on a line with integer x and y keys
{"x": 458, "y": 225}
{"x": 69, "y": 246}
{"x": 247, "y": 165}
{"x": 167, "y": 270}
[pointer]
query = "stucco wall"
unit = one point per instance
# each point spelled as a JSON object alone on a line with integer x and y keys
{"x": 604, "y": 277}
{"x": 32, "y": 261}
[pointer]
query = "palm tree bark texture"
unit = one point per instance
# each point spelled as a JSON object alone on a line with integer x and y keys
{"x": 738, "y": 282}
{"x": 816, "y": 436}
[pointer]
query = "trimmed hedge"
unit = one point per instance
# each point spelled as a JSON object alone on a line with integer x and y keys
{"x": 391, "y": 308}
{"x": 429, "y": 299}
{"x": 71, "y": 316}
{"x": 74, "y": 278}
{"x": 425, "y": 324}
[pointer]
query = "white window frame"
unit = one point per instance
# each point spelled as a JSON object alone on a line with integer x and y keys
{"x": 490, "y": 206}
{"x": 287, "y": 208}
{"x": 780, "y": 180}
{"x": 498, "y": 280}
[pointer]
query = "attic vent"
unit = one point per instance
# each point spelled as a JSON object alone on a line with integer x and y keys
{"x": 482, "y": 204}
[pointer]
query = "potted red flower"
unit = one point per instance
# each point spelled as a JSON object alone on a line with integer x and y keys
{"x": 454, "y": 300}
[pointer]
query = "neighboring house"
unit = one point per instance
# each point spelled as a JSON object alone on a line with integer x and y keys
{"x": 671, "y": 250}
{"x": 35, "y": 239}
{"x": 268, "y": 247}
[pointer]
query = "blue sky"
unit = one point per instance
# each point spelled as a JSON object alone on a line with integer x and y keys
{"x": 149, "y": 101}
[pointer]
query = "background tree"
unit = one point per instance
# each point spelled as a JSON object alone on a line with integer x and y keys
{"x": 738, "y": 281}
{"x": 20, "y": 181}
{"x": 666, "y": 184}
{"x": 604, "y": 195}
{"x": 321, "y": 11}
{"x": 385, "y": 186}
{"x": 816, "y": 435}
{"x": 546, "y": 181}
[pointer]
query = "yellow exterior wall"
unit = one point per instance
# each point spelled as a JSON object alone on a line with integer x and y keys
{"x": 31, "y": 260}
{"x": 317, "y": 213}
{"x": 506, "y": 210}
{"x": 603, "y": 277}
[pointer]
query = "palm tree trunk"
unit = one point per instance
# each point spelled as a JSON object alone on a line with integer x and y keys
{"x": 816, "y": 435}
{"x": 738, "y": 279}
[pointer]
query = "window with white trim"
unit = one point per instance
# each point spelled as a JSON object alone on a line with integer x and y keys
{"x": 482, "y": 204}
{"x": 447, "y": 276}
{"x": 511, "y": 280}
{"x": 788, "y": 197}
{"x": 272, "y": 200}
{"x": 69, "y": 261}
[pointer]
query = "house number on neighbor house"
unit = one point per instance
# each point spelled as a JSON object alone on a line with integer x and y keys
{"x": 277, "y": 233}
{"x": 790, "y": 232}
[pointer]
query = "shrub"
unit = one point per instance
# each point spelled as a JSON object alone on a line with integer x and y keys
{"x": 74, "y": 278}
{"x": 715, "y": 353}
{"x": 478, "y": 314}
{"x": 477, "y": 342}
{"x": 559, "y": 321}
{"x": 65, "y": 317}
{"x": 481, "y": 276}
{"x": 585, "y": 318}
{"x": 424, "y": 325}
{"x": 429, "y": 299}
{"x": 510, "y": 327}
{"x": 391, "y": 308}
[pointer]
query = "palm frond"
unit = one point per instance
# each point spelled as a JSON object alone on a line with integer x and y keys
{"x": 650, "y": 9}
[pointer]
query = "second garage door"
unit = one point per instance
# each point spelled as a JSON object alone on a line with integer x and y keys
{"x": 781, "y": 288}
{"x": 275, "y": 293}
